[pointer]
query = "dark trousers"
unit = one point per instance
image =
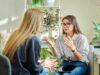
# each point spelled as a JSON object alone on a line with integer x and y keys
{"x": 78, "y": 68}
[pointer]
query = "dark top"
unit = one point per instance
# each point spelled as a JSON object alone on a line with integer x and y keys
{"x": 26, "y": 58}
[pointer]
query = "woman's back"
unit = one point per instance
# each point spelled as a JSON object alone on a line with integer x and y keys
{"x": 25, "y": 58}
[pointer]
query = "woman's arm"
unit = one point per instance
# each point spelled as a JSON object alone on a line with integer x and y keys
{"x": 70, "y": 44}
{"x": 33, "y": 55}
{"x": 83, "y": 48}
{"x": 51, "y": 43}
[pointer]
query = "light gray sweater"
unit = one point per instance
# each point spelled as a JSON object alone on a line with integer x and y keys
{"x": 81, "y": 44}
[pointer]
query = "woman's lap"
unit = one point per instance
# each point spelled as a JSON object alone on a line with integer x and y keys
{"x": 81, "y": 68}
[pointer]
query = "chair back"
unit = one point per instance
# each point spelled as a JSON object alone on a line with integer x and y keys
{"x": 91, "y": 59}
{"x": 5, "y": 66}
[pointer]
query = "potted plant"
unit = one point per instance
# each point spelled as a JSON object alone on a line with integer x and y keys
{"x": 96, "y": 38}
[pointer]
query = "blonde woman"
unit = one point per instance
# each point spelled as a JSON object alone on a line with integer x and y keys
{"x": 23, "y": 47}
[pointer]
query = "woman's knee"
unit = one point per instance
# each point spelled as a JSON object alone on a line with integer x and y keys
{"x": 56, "y": 73}
{"x": 66, "y": 74}
{"x": 45, "y": 72}
{"x": 79, "y": 71}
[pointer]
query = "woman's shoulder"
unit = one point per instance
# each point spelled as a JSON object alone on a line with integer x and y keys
{"x": 34, "y": 39}
{"x": 81, "y": 36}
{"x": 60, "y": 37}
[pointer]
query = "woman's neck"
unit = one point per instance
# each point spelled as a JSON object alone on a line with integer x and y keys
{"x": 70, "y": 34}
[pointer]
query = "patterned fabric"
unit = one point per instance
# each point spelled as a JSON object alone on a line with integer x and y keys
{"x": 81, "y": 44}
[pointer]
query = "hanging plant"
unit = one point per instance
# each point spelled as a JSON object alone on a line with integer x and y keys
{"x": 51, "y": 17}
{"x": 37, "y": 3}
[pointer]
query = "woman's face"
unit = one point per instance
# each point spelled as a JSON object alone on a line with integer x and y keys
{"x": 67, "y": 26}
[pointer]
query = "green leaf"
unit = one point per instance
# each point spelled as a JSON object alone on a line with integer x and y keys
{"x": 96, "y": 37}
{"x": 45, "y": 53}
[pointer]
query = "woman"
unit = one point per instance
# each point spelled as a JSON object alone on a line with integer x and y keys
{"x": 72, "y": 47}
{"x": 23, "y": 47}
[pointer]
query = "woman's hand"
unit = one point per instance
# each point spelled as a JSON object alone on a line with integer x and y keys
{"x": 49, "y": 41}
{"x": 69, "y": 43}
{"x": 49, "y": 63}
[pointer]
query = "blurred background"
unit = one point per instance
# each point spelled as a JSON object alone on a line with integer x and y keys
{"x": 87, "y": 13}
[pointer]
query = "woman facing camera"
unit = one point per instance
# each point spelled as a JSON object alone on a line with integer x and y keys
{"x": 72, "y": 47}
{"x": 23, "y": 47}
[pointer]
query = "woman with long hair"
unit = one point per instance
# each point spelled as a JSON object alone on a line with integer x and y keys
{"x": 72, "y": 47}
{"x": 23, "y": 47}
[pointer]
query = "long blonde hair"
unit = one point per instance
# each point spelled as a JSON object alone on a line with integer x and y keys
{"x": 30, "y": 25}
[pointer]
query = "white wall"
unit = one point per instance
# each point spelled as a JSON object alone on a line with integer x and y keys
{"x": 11, "y": 12}
{"x": 85, "y": 11}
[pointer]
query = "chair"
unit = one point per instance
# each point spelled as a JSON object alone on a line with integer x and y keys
{"x": 5, "y": 66}
{"x": 91, "y": 59}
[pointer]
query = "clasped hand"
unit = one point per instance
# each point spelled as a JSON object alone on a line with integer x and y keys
{"x": 49, "y": 63}
{"x": 69, "y": 43}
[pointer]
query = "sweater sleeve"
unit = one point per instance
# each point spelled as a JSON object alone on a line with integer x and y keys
{"x": 33, "y": 55}
{"x": 83, "y": 48}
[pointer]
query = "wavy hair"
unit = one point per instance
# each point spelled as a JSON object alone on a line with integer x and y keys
{"x": 30, "y": 25}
